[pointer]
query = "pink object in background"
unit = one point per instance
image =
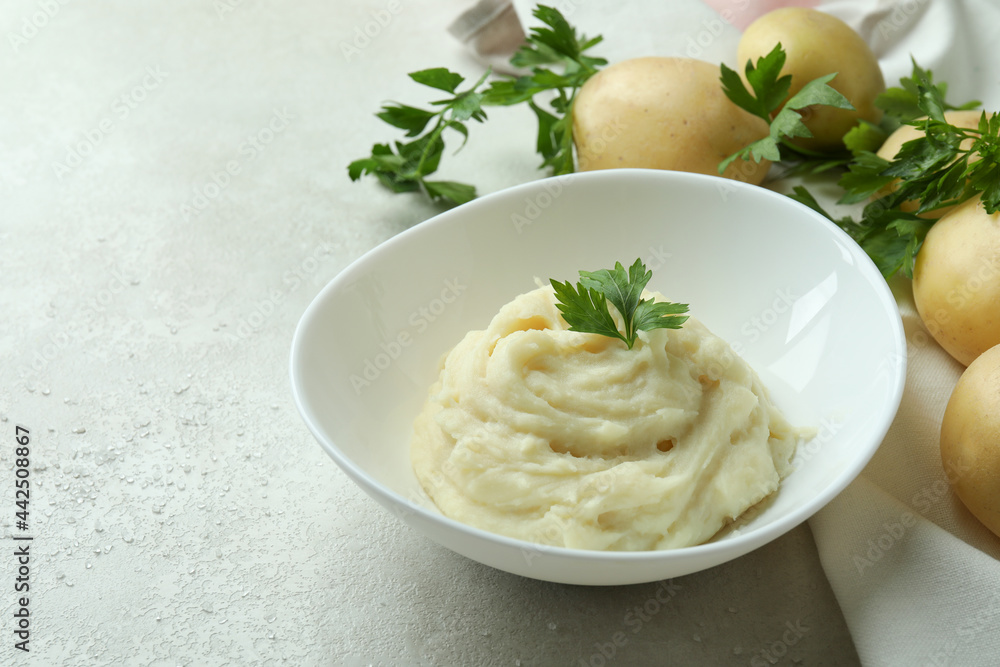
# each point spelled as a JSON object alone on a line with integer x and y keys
{"x": 741, "y": 13}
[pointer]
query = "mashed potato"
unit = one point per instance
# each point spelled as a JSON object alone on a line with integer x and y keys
{"x": 571, "y": 439}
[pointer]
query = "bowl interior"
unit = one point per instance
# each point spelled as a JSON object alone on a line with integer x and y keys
{"x": 792, "y": 294}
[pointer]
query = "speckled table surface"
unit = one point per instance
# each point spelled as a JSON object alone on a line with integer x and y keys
{"x": 173, "y": 193}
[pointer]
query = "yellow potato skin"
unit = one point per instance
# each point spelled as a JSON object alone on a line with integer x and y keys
{"x": 818, "y": 44}
{"x": 964, "y": 119}
{"x": 663, "y": 113}
{"x": 904, "y": 133}
{"x": 970, "y": 439}
{"x": 956, "y": 281}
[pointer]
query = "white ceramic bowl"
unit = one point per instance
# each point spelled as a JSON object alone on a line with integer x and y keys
{"x": 792, "y": 293}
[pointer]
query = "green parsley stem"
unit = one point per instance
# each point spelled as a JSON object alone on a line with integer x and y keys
{"x": 802, "y": 151}
{"x": 435, "y": 135}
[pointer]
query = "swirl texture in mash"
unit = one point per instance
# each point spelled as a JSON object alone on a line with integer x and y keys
{"x": 571, "y": 439}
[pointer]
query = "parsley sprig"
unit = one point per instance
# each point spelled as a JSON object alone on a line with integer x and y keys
{"x": 585, "y": 305}
{"x": 935, "y": 170}
{"x": 557, "y": 44}
{"x": 558, "y": 63}
{"x": 902, "y": 103}
{"x": 404, "y": 166}
{"x": 768, "y": 90}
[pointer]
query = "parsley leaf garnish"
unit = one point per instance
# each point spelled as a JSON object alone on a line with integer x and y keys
{"x": 768, "y": 90}
{"x": 585, "y": 305}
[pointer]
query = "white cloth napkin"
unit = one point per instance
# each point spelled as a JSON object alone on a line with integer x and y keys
{"x": 916, "y": 575}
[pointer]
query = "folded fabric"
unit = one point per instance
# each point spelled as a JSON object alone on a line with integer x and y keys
{"x": 916, "y": 575}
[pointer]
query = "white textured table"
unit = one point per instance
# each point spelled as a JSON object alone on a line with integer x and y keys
{"x": 173, "y": 193}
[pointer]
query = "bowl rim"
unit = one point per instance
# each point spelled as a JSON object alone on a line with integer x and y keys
{"x": 740, "y": 543}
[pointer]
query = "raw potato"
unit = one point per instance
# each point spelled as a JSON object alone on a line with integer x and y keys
{"x": 663, "y": 113}
{"x": 818, "y": 44}
{"x": 956, "y": 281}
{"x": 970, "y": 439}
{"x": 895, "y": 141}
